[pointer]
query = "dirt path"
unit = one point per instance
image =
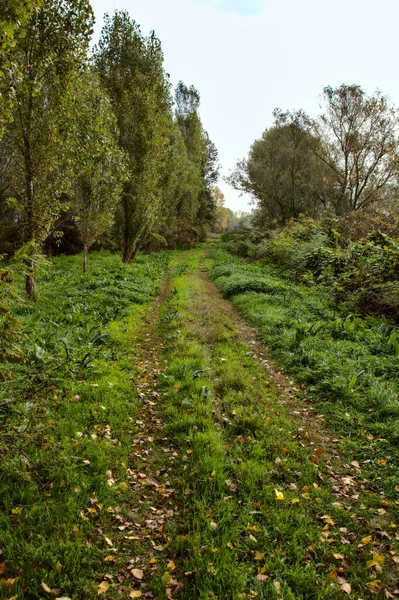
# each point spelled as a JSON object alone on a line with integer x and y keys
{"x": 240, "y": 489}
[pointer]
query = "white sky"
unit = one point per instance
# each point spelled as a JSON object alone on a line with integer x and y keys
{"x": 247, "y": 57}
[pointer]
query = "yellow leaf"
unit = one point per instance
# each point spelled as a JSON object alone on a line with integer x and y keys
{"x": 306, "y": 495}
{"x": 338, "y": 556}
{"x": 229, "y": 545}
{"x": 123, "y": 486}
{"x": 330, "y": 521}
{"x": 109, "y": 559}
{"x": 153, "y": 561}
{"x": 135, "y": 594}
{"x": 103, "y": 587}
{"x": 171, "y": 566}
{"x": 187, "y": 491}
{"x": 16, "y": 511}
{"x": 376, "y": 560}
{"x": 46, "y": 588}
{"x": 366, "y": 540}
{"x": 279, "y": 495}
{"x": 396, "y": 488}
{"x": 295, "y": 500}
{"x": 259, "y": 555}
{"x": 382, "y": 461}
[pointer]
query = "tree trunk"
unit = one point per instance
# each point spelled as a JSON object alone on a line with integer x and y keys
{"x": 85, "y": 258}
{"x": 30, "y": 283}
{"x": 125, "y": 255}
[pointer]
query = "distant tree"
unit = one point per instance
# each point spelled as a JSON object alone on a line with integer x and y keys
{"x": 131, "y": 69}
{"x": 360, "y": 140}
{"x": 54, "y": 44}
{"x": 201, "y": 151}
{"x": 181, "y": 184}
{"x": 282, "y": 172}
{"x": 221, "y": 213}
{"x": 100, "y": 163}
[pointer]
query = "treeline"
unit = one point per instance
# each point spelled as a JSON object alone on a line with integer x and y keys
{"x": 93, "y": 145}
{"x": 346, "y": 160}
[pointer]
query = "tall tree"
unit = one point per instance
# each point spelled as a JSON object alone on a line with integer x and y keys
{"x": 202, "y": 154}
{"x": 360, "y": 138}
{"x": 131, "y": 69}
{"x": 100, "y": 162}
{"x": 282, "y": 171}
{"x": 54, "y": 45}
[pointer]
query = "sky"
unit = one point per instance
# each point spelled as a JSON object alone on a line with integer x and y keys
{"x": 247, "y": 57}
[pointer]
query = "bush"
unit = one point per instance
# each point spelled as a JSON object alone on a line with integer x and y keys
{"x": 363, "y": 274}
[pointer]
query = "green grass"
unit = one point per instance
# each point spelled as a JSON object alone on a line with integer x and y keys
{"x": 239, "y": 449}
{"x": 78, "y": 405}
{"x": 349, "y": 365}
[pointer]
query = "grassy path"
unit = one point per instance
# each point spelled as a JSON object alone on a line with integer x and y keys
{"x": 171, "y": 458}
{"x": 239, "y": 488}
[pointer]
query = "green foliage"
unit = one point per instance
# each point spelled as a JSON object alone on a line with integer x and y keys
{"x": 362, "y": 275}
{"x": 100, "y": 163}
{"x": 283, "y": 172}
{"x": 131, "y": 69}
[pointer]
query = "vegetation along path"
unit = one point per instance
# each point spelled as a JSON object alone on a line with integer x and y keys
{"x": 218, "y": 479}
{"x": 242, "y": 491}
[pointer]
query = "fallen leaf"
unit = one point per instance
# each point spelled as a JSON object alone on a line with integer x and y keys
{"x": 376, "y": 560}
{"x": 135, "y": 594}
{"x": 345, "y": 587}
{"x": 261, "y": 577}
{"x": 103, "y": 587}
{"x": 109, "y": 559}
{"x": 279, "y": 495}
{"x": 171, "y": 566}
{"x": 338, "y": 556}
{"x": 46, "y": 587}
{"x": 259, "y": 555}
{"x": 138, "y": 573}
{"x": 365, "y": 541}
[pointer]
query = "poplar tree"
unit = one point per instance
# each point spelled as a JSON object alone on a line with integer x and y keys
{"x": 100, "y": 163}
{"x": 131, "y": 69}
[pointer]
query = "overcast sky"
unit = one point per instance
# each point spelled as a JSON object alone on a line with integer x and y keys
{"x": 247, "y": 57}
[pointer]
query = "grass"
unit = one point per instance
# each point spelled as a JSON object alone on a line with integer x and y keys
{"x": 155, "y": 440}
{"x": 64, "y": 455}
{"x": 259, "y": 517}
{"x": 348, "y": 364}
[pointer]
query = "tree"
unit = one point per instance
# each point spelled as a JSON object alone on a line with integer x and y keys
{"x": 282, "y": 172}
{"x": 100, "y": 161}
{"x": 54, "y": 45}
{"x": 201, "y": 152}
{"x": 131, "y": 70}
{"x": 221, "y": 213}
{"x": 360, "y": 138}
{"x": 14, "y": 18}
